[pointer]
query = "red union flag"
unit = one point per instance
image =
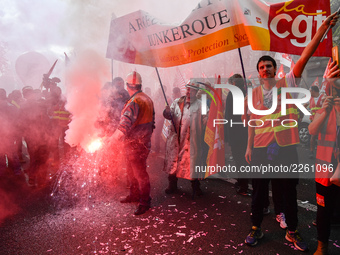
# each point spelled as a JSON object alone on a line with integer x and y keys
{"x": 296, "y": 22}
{"x": 214, "y": 136}
{"x": 316, "y": 82}
{"x": 285, "y": 27}
{"x": 280, "y": 73}
{"x": 216, "y": 26}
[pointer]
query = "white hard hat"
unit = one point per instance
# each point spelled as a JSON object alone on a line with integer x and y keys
{"x": 133, "y": 79}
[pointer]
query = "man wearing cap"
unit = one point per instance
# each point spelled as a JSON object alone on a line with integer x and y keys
{"x": 136, "y": 126}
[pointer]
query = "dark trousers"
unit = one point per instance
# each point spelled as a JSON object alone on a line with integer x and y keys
{"x": 287, "y": 186}
{"x": 38, "y": 157}
{"x": 328, "y": 197}
{"x": 278, "y": 199}
{"x": 260, "y": 192}
{"x": 137, "y": 174}
{"x": 238, "y": 152}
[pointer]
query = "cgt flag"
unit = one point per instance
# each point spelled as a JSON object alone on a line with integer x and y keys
{"x": 216, "y": 26}
{"x": 316, "y": 82}
{"x": 280, "y": 73}
{"x": 214, "y": 136}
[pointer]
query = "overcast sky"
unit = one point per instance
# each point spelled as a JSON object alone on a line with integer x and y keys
{"x": 58, "y": 25}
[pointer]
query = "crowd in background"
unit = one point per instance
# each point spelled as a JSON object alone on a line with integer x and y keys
{"x": 33, "y": 124}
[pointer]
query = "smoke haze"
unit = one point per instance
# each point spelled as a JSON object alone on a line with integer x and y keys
{"x": 84, "y": 81}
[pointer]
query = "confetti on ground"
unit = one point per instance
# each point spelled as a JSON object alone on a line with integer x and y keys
{"x": 180, "y": 234}
{"x": 190, "y": 239}
{"x": 338, "y": 246}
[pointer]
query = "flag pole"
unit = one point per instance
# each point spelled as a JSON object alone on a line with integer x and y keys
{"x": 166, "y": 101}
{"x": 47, "y": 75}
{"x": 243, "y": 72}
{"x": 329, "y": 27}
{"x": 111, "y": 71}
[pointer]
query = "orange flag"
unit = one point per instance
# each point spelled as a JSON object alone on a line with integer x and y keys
{"x": 214, "y": 137}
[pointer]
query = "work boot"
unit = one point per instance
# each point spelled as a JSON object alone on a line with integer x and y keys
{"x": 172, "y": 188}
{"x": 141, "y": 209}
{"x": 129, "y": 199}
{"x": 322, "y": 248}
{"x": 196, "y": 190}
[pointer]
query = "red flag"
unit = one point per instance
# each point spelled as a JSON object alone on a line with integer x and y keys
{"x": 214, "y": 136}
{"x": 316, "y": 82}
{"x": 204, "y": 76}
{"x": 280, "y": 73}
{"x": 253, "y": 82}
{"x": 286, "y": 20}
{"x": 286, "y": 60}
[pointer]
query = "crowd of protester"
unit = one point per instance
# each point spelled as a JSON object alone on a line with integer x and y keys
{"x": 33, "y": 125}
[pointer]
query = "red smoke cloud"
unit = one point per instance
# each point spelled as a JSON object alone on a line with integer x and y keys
{"x": 84, "y": 80}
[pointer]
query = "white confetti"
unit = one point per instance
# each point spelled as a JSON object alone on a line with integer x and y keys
{"x": 180, "y": 234}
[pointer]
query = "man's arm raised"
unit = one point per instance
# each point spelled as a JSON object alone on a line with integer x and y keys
{"x": 313, "y": 45}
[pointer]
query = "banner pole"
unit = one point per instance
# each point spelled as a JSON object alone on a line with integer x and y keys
{"x": 160, "y": 82}
{"x": 166, "y": 101}
{"x": 243, "y": 72}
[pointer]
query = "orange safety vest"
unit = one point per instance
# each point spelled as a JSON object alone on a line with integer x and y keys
{"x": 145, "y": 108}
{"x": 272, "y": 131}
{"x": 315, "y": 107}
{"x": 325, "y": 150}
{"x": 60, "y": 115}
